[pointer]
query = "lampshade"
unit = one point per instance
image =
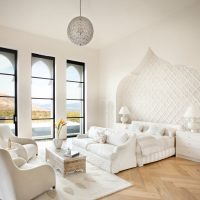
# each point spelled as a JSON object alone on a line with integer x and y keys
{"x": 80, "y": 30}
{"x": 192, "y": 111}
{"x": 124, "y": 110}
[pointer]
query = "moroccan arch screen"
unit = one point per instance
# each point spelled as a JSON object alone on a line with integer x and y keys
{"x": 159, "y": 91}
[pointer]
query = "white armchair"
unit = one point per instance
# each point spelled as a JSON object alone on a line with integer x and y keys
{"x": 23, "y": 184}
{"x": 25, "y": 148}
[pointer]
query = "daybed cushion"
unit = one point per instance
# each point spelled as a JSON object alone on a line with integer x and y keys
{"x": 102, "y": 150}
{"x": 116, "y": 137}
{"x": 83, "y": 142}
{"x": 150, "y": 144}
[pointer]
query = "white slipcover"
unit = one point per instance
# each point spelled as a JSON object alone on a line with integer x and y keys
{"x": 109, "y": 157}
{"x": 18, "y": 184}
{"x": 106, "y": 151}
{"x": 84, "y": 142}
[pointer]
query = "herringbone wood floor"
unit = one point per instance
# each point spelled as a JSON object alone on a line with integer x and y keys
{"x": 169, "y": 179}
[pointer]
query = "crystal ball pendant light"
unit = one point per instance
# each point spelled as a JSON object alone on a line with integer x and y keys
{"x": 80, "y": 30}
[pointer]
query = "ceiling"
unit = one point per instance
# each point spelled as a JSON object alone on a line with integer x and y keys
{"x": 112, "y": 19}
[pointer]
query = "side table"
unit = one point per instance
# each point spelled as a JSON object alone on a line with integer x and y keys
{"x": 188, "y": 145}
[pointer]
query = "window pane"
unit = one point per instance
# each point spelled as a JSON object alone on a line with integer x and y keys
{"x": 74, "y": 126}
{"x": 42, "y": 67}
{"x": 42, "y": 128}
{"x": 74, "y": 72}
{"x": 74, "y": 90}
{"x": 74, "y": 108}
{"x": 6, "y": 108}
{"x": 42, "y": 88}
{"x": 7, "y": 85}
{"x": 8, "y": 123}
{"x": 7, "y": 62}
{"x": 42, "y": 108}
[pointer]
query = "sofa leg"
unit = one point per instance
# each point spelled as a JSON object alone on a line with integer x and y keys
{"x": 54, "y": 187}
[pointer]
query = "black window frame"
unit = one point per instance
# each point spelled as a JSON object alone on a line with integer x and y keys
{"x": 53, "y": 99}
{"x": 15, "y": 53}
{"x": 83, "y": 98}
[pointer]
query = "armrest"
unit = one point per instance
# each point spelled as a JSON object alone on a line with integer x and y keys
{"x": 124, "y": 155}
{"x": 23, "y": 141}
{"x": 37, "y": 177}
{"x": 20, "y": 150}
{"x": 123, "y": 146}
{"x": 82, "y": 136}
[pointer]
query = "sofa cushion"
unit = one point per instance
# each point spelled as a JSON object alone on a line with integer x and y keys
{"x": 83, "y": 142}
{"x": 102, "y": 150}
{"x": 116, "y": 137}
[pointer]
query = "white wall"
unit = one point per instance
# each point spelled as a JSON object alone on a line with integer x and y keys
{"x": 175, "y": 40}
{"x": 26, "y": 44}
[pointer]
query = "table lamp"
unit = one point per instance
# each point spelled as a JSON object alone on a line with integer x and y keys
{"x": 124, "y": 111}
{"x": 192, "y": 115}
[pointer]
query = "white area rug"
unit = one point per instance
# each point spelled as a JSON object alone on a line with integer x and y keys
{"x": 93, "y": 184}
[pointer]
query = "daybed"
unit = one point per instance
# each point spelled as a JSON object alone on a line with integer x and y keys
{"x": 155, "y": 141}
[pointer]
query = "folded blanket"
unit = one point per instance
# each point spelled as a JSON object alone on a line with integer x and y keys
{"x": 150, "y": 144}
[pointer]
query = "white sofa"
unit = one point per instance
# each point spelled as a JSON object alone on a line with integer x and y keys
{"x": 113, "y": 156}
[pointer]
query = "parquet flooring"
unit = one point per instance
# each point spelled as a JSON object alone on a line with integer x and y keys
{"x": 169, "y": 179}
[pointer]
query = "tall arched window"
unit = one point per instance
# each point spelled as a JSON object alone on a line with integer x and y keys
{"x": 75, "y": 101}
{"x": 8, "y": 88}
{"x": 43, "y": 96}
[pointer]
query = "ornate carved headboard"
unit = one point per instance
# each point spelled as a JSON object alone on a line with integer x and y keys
{"x": 158, "y": 91}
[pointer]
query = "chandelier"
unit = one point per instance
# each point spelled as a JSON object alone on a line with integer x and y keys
{"x": 80, "y": 30}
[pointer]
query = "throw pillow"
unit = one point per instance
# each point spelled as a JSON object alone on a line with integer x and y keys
{"x": 171, "y": 132}
{"x": 102, "y": 139}
{"x": 156, "y": 130}
{"x": 145, "y": 128}
{"x": 94, "y": 132}
{"x": 136, "y": 127}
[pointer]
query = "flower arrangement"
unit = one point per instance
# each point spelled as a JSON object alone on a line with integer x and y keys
{"x": 59, "y": 126}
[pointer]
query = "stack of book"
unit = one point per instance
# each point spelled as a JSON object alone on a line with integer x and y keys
{"x": 71, "y": 154}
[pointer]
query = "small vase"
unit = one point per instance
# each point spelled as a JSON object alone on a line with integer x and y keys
{"x": 58, "y": 143}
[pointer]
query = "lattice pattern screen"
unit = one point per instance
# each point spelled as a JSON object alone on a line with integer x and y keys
{"x": 159, "y": 91}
